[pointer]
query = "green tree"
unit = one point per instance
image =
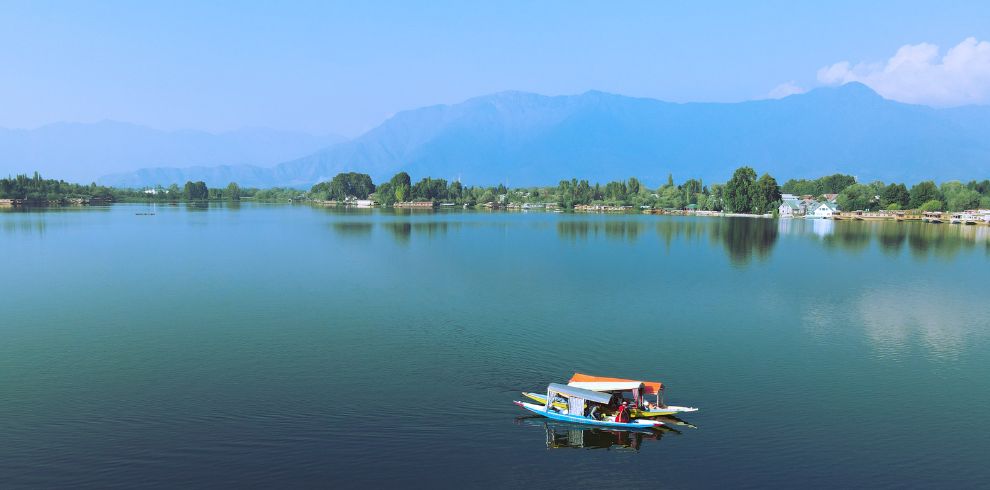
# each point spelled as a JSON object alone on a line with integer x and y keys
{"x": 923, "y": 192}
{"x": 430, "y": 189}
{"x": 765, "y": 194}
{"x": 385, "y": 194}
{"x": 714, "y": 200}
{"x": 345, "y": 185}
{"x": 856, "y": 197}
{"x": 196, "y": 191}
{"x": 400, "y": 179}
{"x": 615, "y": 191}
{"x": 800, "y": 187}
{"x": 959, "y": 197}
{"x": 895, "y": 194}
{"x": 670, "y": 197}
{"x": 691, "y": 188}
{"x": 833, "y": 184}
{"x": 739, "y": 190}
{"x": 633, "y": 186}
{"x": 932, "y": 205}
{"x": 233, "y": 192}
{"x": 456, "y": 191}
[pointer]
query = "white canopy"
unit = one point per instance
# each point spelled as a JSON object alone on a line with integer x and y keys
{"x": 578, "y": 392}
{"x": 607, "y": 385}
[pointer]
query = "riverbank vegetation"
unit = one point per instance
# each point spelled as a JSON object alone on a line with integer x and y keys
{"x": 744, "y": 192}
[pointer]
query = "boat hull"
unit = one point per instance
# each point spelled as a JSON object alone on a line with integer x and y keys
{"x": 636, "y": 413}
{"x": 576, "y": 419}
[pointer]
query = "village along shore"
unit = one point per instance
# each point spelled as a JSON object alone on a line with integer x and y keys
{"x": 835, "y": 197}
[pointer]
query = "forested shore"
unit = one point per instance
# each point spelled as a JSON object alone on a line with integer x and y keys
{"x": 745, "y": 192}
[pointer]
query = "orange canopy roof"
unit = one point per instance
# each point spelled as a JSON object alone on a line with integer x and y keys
{"x": 652, "y": 387}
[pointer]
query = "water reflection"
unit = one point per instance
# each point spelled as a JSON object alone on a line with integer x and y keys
{"x": 400, "y": 231}
{"x": 820, "y": 227}
{"x": 574, "y": 230}
{"x": 670, "y": 229}
{"x": 24, "y": 225}
{"x": 563, "y": 436}
{"x": 891, "y": 236}
{"x": 743, "y": 239}
{"x": 352, "y": 228}
{"x": 746, "y": 238}
{"x": 433, "y": 229}
{"x": 855, "y": 236}
{"x": 608, "y": 228}
{"x": 37, "y": 219}
{"x": 944, "y": 241}
{"x": 922, "y": 240}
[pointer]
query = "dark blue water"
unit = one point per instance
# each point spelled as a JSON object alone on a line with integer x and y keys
{"x": 288, "y": 345}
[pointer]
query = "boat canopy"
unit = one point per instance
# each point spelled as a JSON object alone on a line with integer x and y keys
{"x": 650, "y": 387}
{"x": 607, "y": 385}
{"x": 571, "y": 391}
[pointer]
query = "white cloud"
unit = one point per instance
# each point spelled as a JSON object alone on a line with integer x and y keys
{"x": 916, "y": 74}
{"x": 785, "y": 89}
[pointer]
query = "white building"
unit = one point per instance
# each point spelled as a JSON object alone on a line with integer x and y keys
{"x": 825, "y": 210}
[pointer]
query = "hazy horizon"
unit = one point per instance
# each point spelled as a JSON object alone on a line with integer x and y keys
{"x": 343, "y": 69}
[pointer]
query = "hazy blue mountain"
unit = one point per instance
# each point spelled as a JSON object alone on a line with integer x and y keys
{"x": 83, "y": 151}
{"x": 218, "y": 176}
{"x": 523, "y": 139}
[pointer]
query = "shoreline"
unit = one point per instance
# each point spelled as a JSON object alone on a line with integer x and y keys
{"x": 586, "y": 209}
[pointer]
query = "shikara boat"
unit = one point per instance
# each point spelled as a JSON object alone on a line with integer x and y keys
{"x": 634, "y": 412}
{"x": 638, "y": 395}
{"x": 631, "y": 390}
{"x": 584, "y": 407}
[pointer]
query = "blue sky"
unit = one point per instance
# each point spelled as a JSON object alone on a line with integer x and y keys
{"x": 344, "y": 67}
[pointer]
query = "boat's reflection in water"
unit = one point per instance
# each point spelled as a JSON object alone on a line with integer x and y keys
{"x": 564, "y": 435}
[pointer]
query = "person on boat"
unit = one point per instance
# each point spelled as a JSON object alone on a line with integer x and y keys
{"x": 593, "y": 413}
{"x": 622, "y": 414}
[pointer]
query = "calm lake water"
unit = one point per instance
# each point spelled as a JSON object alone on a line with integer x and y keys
{"x": 274, "y": 345}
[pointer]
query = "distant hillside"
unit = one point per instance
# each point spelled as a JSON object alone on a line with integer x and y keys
{"x": 81, "y": 152}
{"x": 522, "y": 139}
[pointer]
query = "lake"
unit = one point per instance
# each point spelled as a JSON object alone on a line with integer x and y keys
{"x": 278, "y": 345}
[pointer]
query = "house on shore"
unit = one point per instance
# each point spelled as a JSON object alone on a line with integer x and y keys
{"x": 791, "y": 207}
{"x": 824, "y": 210}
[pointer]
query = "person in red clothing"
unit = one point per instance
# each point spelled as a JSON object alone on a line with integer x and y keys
{"x": 622, "y": 415}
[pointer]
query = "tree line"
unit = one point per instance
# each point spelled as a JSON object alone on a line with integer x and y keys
{"x": 925, "y": 196}
{"x": 38, "y": 189}
{"x": 744, "y": 192}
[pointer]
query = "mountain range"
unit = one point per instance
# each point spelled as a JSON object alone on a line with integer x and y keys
{"x": 80, "y": 152}
{"x": 521, "y": 138}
